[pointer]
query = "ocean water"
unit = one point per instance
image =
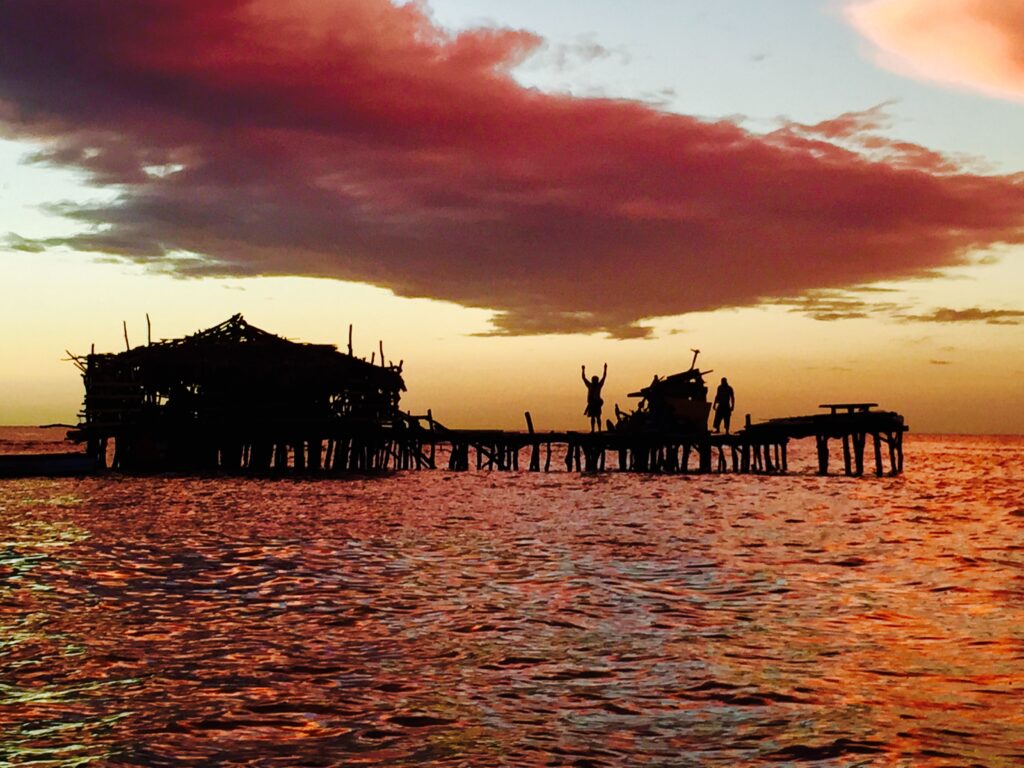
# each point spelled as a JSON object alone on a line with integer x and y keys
{"x": 516, "y": 619}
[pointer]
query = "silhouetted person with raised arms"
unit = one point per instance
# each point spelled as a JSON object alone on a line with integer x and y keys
{"x": 594, "y": 401}
{"x": 725, "y": 401}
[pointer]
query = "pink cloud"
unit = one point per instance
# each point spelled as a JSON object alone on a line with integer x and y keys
{"x": 357, "y": 140}
{"x": 977, "y": 44}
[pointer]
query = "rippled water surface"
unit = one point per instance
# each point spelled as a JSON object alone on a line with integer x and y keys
{"x": 517, "y": 619}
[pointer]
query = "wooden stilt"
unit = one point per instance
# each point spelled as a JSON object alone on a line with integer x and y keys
{"x": 859, "y": 439}
{"x": 534, "y": 445}
{"x": 822, "y": 444}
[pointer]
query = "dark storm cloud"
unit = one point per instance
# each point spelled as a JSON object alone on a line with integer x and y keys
{"x": 357, "y": 140}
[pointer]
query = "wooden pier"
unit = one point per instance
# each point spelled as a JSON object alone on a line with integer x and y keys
{"x": 237, "y": 399}
{"x": 761, "y": 448}
{"x": 421, "y": 443}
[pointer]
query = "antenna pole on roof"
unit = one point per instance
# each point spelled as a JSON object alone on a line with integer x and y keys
{"x": 381, "y": 342}
{"x": 149, "y": 331}
{"x": 350, "y": 339}
{"x": 127, "y": 346}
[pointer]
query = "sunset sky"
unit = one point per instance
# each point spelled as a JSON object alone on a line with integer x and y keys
{"x": 825, "y": 197}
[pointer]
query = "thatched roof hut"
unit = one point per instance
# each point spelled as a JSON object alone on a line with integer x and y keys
{"x": 231, "y": 382}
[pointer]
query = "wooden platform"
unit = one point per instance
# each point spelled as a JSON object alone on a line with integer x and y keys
{"x": 757, "y": 448}
{"x": 419, "y": 443}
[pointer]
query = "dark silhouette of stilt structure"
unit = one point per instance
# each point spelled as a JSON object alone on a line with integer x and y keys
{"x": 761, "y": 448}
{"x": 237, "y": 399}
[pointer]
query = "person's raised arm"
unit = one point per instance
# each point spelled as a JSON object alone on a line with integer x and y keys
{"x": 583, "y": 373}
{"x": 605, "y": 374}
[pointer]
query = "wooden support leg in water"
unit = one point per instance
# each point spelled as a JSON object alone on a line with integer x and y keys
{"x": 231, "y": 456}
{"x": 432, "y": 463}
{"x": 262, "y": 455}
{"x": 534, "y": 445}
{"x": 847, "y": 459}
{"x": 672, "y": 464}
{"x": 455, "y": 459}
{"x": 859, "y": 438}
{"x": 876, "y": 441}
{"x": 547, "y": 457}
{"x": 641, "y": 458}
{"x": 704, "y": 452}
{"x": 822, "y": 442}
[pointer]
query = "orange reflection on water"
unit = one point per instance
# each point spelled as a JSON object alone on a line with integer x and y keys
{"x": 521, "y": 619}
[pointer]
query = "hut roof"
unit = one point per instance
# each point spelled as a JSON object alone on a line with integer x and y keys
{"x": 235, "y": 349}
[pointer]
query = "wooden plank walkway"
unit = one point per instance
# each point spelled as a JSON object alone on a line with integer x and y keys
{"x": 421, "y": 443}
{"x": 758, "y": 448}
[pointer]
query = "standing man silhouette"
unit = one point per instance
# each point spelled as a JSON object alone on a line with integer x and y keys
{"x": 725, "y": 401}
{"x": 594, "y": 401}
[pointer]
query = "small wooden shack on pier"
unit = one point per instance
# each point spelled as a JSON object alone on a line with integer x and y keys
{"x": 230, "y": 397}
